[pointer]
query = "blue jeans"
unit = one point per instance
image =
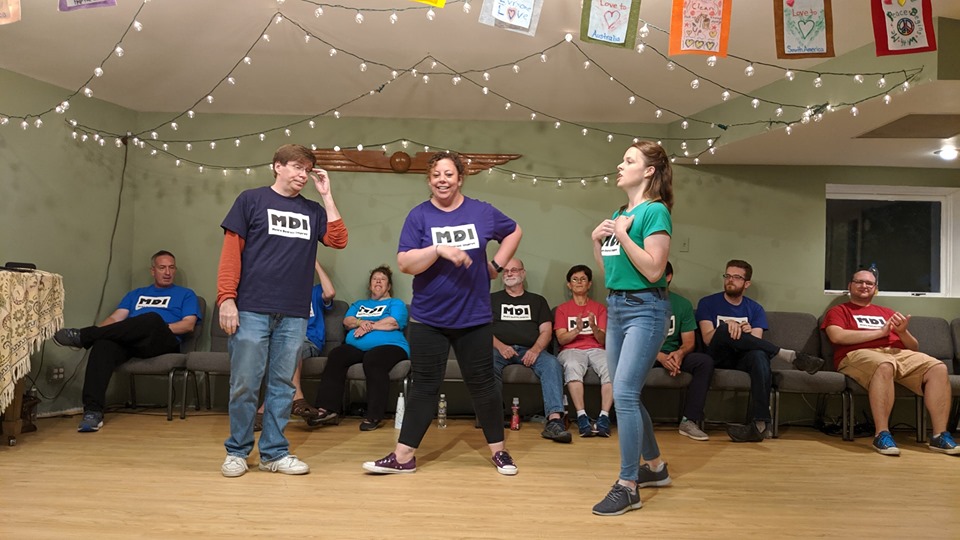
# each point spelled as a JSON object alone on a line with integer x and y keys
{"x": 637, "y": 324}
{"x": 546, "y": 367}
{"x": 264, "y": 344}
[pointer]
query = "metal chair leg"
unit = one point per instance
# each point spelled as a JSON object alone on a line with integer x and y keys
{"x": 776, "y": 414}
{"x": 921, "y": 420}
{"x": 170, "y": 377}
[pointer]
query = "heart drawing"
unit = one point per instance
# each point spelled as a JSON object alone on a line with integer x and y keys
{"x": 611, "y": 18}
{"x": 806, "y": 28}
{"x": 511, "y": 13}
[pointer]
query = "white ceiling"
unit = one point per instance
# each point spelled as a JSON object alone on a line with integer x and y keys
{"x": 188, "y": 47}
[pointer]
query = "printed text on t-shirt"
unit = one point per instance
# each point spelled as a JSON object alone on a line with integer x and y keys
{"x": 458, "y": 236}
{"x": 510, "y": 312}
{"x": 289, "y": 224}
{"x": 160, "y": 302}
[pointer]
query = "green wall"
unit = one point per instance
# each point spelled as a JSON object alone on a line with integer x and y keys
{"x": 60, "y": 200}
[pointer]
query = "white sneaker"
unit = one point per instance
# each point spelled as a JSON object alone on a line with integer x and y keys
{"x": 288, "y": 464}
{"x": 233, "y": 466}
{"x": 689, "y": 428}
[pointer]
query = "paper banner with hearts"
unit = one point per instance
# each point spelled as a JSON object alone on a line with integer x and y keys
{"x": 804, "y": 28}
{"x": 903, "y": 28}
{"x": 700, "y": 27}
{"x": 516, "y": 15}
{"x": 608, "y": 22}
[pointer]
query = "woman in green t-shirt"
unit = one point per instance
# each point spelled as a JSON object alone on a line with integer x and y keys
{"x": 632, "y": 248}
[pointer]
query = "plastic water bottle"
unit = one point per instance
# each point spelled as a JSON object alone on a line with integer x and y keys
{"x": 34, "y": 393}
{"x": 875, "y": 271}
{"x": 442, "y": 412}
{"x": 515, "y": 415}
{"x": 398, "y": 418}
{"x": 563, "y": 417}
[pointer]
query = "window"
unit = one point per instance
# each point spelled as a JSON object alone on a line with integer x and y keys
{"x": 905, "y": 232}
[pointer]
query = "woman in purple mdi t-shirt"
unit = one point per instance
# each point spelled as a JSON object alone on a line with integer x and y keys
{"x": 443, "y": 244}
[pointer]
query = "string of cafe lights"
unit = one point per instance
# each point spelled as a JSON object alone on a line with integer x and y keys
{"x": 811, "y": 111}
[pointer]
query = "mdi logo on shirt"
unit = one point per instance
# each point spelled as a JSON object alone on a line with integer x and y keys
{"x": 610, "y": 247}
{"x": 159, "y": 302}
{"x": 869, "y": 322}
{"x": 510, "y": 312}
{"x": 289, "y": 224}
{"x": 459, "y": 236}
{"x": 584, "y": 325}
{"x": 364, "y": 312}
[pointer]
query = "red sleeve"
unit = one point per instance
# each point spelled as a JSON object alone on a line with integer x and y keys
{"x": 228, "y": 274}
{"x": 336, "y": 235}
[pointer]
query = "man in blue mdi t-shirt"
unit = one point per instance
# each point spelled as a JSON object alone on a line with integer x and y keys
{"x": 149, "y": 321}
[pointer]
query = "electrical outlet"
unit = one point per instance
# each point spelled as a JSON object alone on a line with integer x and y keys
{"x": 54, "y": 374}
{"x": 684, "y": 244}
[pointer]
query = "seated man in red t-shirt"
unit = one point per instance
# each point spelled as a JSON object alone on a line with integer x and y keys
{"x": 871, "y": 345}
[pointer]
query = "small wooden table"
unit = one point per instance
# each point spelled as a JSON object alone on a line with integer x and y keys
{"x": 31, "y": 310}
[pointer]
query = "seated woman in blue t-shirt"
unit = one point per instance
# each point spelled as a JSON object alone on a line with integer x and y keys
{"x": 374, "y": 337}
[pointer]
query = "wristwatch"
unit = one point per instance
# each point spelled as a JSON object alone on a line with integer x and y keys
{"x": 496, "y": 266}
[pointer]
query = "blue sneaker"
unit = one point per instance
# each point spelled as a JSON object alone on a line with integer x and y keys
{"x": 585, "y": 425}
{"x": 92, "y": 421}
{"x": 944, "y": 444}
{"x": 603, "y": 425}
{"x": 884, "y": 444}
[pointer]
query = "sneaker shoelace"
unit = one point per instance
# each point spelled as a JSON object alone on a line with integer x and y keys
{"x": 503, "y": 459}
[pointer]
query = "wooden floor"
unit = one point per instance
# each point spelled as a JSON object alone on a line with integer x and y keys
{"x": 142, "y": 476}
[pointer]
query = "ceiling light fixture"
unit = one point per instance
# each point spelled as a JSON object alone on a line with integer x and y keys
{"x": 947, "y": 153}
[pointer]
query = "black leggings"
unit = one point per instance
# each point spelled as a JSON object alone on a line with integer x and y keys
{"x": 143, "y": 336}
{"x": 377, "y": 363}
{"x": 429, "y": 351}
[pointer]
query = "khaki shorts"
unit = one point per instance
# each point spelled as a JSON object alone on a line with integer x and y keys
{"x": 909, "y": 366}
{"x": 575, "y": 362}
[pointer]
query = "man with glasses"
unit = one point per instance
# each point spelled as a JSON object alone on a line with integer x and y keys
{"x": 522, "y": 331}
{"x": 732, "y": 326}
{"x": 581, "y": 328}
{"x": 872, "y": 345}
{"x": 263, "y": 289}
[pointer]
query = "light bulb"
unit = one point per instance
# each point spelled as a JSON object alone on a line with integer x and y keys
{"x": 360, "y": 147}
{"x": 64, "y": 104}
{"x": 98, "y": 71}
{"x": 137, "y": 25}
{"x": 568, "y": 37}
{"x": 332, "y": 52}
{"x": 606, "y": 180}
{"x": 189, "y": 147}
{"x": 359, "y": 18}
{"x": 336, "y": 148}
{"x": 455, "y": 80}
{"x": 486, "y": 76}
{"x": 533, "y": 116}
{"x": 426, "y": 79}
{"x": 887, "y": 99}
{"x": 287, "y": 132}
{"x": 610, "y": 137}
{"x": 394, "y": 74}
{"x": 725, "y": 95}
{"x": 695, "y": 84}
{"x": 363, "y": 66}
{"x": 213, "y": 145}
{"x": 306, "y": 38}
{"x": 154, "y": 135}
{"x": 236, "y": 142}
{"x": 174, "y": 126}
{"x": 556, "y": 125}
{"x": 38, "y": 123}
{"x": 858, "y": 78}
{"x": 684, "y": 124}
{"x": 431, "y": 14}
{"x": 712, "y": 60}
{"x": 778, "y": 111}
{"x": 854, "y": 110}
{"x": 817, "y": 82}
{"x": 165, "y": 147}
{"x": 247, "y": 60}
{"x": 658, "y": 113}
{"x": 336, "y": 114}
{"x": 632, "y": 99}
{"x": 683, "y": 145}
{"x": 118, "y": 51}
{"x": 543, "y": 57}
{"x": 466, "y": 7}
{"x": 209, "y": 99}
{"x": 191, "y": 114}
{"x": 644, "y": 31}
{"x": 414, "y": 73}
{"x": 393, "y": 18}
{"x": 318, "y": 12}
{"x": 584, "y": 132}
{"x": 789, "y": 129}
{"x": 516, "y": 68}
{"x": 905, "y": 85}
{"x": 200, "y": 168}
{"x": 947, "y": 153}
{"x": 586, "y": 64}
{"x": 640, "y": 48}
{"x": 789, "y": 75}
{"x": 670, "y": 66}
{"x": 118, "y": 143}
{"x": 749, "y": 70}
{"x": 265, "y": 37}
{"x": 755, "y": 102}
{"x": 507, "y": 106}
{"x": 262, "y": 137}
{"x": 88, "y": 92}
{"x": 404, "y": 143}
{"x": 882, "y": 82}
{"x": 534, "y": 181}
{"x": 485, "y": 90}
{"x": 231, "y": 80}
{"x": 559, "y": 183}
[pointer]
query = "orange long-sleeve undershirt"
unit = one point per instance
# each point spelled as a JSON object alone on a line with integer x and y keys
{"x": 228, "y": 273}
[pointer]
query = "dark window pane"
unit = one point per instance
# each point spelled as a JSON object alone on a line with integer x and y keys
{"x": 902, "y": 238}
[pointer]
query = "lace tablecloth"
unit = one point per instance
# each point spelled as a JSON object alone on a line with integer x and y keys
{"x": 31, "y": 310}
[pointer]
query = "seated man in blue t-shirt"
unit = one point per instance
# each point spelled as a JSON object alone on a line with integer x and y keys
{"x": 732, "y": 326}
{"x": 149, "y": 321}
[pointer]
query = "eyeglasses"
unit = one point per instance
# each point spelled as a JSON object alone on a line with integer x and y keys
{"x": 735, "y": 277}
{"x": 512, "y": 270}
{"x": 865, "y": 283}
{"x": 298, "y": 167}
{"x": 579, "y": 280}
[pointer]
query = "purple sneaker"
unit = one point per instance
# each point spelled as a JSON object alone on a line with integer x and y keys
{"x": 504, "y": 463}
{"x": 390, "y": 465}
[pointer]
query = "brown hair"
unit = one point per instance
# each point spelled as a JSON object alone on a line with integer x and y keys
{"x": 293, "y": 152}
{"x": 743, "y": 265}
{"x": 385, "y": 270}
{"x": 452, "y": 156}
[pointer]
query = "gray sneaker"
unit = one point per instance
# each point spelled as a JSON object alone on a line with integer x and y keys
{"x": 810, "y": 364}
{"x": 688, "y": 428}
{"x": 288, "y": 464}
{"x": 68, "y": 337}
{"x": 619, "y": 500}
{"x": 648, "y": 478}
{"x": 554, "y": 431}
{"x": 91, "y": 421}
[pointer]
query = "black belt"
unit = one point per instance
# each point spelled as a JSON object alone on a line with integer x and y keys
{"x": 659, "y": 291}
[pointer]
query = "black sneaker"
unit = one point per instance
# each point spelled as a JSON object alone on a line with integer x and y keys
{"x": 554, "y": 431}
{"x": 323, "y": 417}
{"x": 619, "y": 500}
{"x": 369, "y": 425}
{"x": 68, "y": 337}
{"x": 744, "y": 432}
{"x": 648, "y": 478}
{"x": 810, "y": 364}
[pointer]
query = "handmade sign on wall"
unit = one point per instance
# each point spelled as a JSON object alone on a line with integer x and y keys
{"x": 903, "y": 26}
{"x": 9, "y": 11}
{"x": 399, "y": 162}
{"x": 700, "y": 27}
{"x": 804, "y": 28}
{"x": 515, "y": 15}
{"x": 610, "y": 22}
